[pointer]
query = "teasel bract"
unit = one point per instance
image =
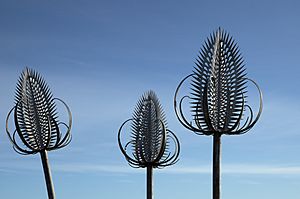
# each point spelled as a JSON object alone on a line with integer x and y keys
{"x": 218, "y": 89}
{"x": 36, "y": 122}
{"x": 150, "y": 138}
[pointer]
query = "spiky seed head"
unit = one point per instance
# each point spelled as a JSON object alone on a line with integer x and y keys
{"x": 35, "y": 116}
{"x": 146, "y": 129}
{"x": 149, "y": 136}
{"x": 218, "y": 84}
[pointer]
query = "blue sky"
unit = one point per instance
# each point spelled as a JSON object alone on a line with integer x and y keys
{"x": 101, "y": 56}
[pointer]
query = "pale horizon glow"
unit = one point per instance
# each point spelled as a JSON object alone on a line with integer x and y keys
{"x": 101, "y": 56}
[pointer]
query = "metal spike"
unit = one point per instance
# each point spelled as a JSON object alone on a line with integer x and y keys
{"x": 217, "y": 94}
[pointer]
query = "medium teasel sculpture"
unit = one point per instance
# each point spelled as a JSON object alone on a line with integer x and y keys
{"x": 36, "y": 122}
{"x": 150, "y": 139}
{"x": 218, "y": 100}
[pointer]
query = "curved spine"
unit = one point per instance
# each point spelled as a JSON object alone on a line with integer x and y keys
{"x": 36, "y": 123}
{"x": 150, "y": 138}
{"x": 218, "y": 104}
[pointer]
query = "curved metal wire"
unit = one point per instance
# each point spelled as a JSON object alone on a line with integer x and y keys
{"x": 12, "y": 138}
{"x": 35, "y": 117}
{"x": 150, "y": 137}
{"x": 218, "y": 86}
{"x": 179, "y": 112}
{"x": 130, "y": 160}
{"x": 60, "y": 143}
{"x": 217, "y": 97}
{"x": 251, "y": 122}
{"x": 171, "y": 159}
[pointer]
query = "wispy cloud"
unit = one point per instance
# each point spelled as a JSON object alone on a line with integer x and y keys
{"x": 240, "y": 169}
{"x": 93, "y": 168}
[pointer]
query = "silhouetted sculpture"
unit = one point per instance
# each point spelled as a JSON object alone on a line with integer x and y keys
{"x": 218, "y": 96}
{"x": 37, "y": 127}
{"x": 150, "y": 138}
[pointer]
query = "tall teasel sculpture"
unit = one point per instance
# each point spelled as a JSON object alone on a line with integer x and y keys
{"x": 150, "y": 138}
{"x": 37, "y": 127}
{"x": 218, "y": 105}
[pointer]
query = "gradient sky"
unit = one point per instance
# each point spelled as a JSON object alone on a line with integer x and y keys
{"x": 101, "y": 56}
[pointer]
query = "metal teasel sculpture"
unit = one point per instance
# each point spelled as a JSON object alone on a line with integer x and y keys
{"x": 150, "y": 139}
{"x": 218, "y": 105}
{"x": 36, "y": 122}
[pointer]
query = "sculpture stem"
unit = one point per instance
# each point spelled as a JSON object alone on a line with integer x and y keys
{"x": 216, "y": 165}
{"x": 47, "y": 173}
{"x": 149, "y": 182}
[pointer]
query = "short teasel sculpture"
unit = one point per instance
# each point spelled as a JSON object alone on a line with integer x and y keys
{"x": 218, "y": 105}
{"x": 150, "y": 138}
{"x": 37, "y": 127}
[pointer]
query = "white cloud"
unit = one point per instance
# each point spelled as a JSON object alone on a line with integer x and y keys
{"x": 242, "y": 169}
{"x": 230, "y": 169}
{"x": 94, "y": 168}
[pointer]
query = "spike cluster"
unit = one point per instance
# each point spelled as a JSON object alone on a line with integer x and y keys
{"x": 218, "y": 96}
{"x": 35, "y": 117}
{"x": 218, "y": 90}
{"x": 150, "y": 137}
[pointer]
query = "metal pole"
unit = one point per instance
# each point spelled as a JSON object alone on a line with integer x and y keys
{"x": 149, "y": 182}
{"x": 47, "y": 173}
{"x": 216, "y": 165}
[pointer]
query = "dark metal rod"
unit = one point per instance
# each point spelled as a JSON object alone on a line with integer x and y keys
{"x": 216, "y": 165}
{"x": 47, "y": 173}
{"x": 149, "y": 182}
